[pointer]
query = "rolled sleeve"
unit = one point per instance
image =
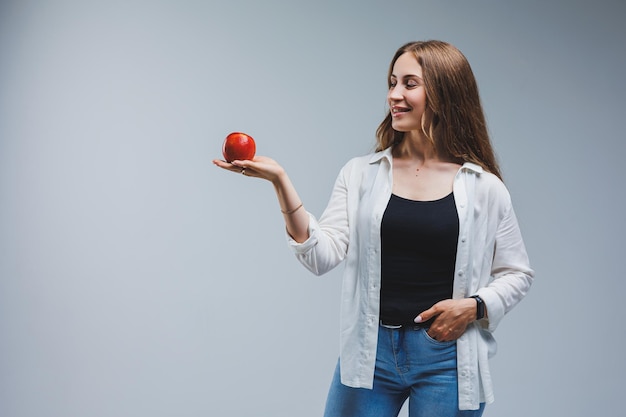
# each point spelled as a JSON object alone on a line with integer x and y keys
{"x": 302, "y": 247}
{"x": 511, "y": 271}
{"x": 328, "y": 239}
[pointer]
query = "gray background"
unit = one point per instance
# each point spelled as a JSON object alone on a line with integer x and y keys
{"x": 137, "y": 279}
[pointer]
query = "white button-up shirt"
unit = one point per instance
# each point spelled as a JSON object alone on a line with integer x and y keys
{"x": 491, "y": 261}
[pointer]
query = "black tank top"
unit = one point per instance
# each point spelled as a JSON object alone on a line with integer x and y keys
{"x": 418, "y": 250}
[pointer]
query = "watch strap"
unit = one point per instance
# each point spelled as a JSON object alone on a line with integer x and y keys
{"x": 480, "y": 307}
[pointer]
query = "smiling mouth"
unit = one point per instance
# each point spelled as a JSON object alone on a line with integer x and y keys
{"x": 398, "y": 110}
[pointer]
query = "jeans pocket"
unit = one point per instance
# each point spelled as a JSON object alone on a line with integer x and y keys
{"x": 435, "y": 341}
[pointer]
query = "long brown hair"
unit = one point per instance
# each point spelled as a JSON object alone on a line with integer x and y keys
{"x": 456, "y": 123}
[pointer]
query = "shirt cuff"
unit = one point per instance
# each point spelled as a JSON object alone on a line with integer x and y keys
{"x": 493, "y": 307}
{"x": 308, "y": 244}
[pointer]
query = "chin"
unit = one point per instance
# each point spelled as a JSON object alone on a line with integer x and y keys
{"x": 402, "y": 127}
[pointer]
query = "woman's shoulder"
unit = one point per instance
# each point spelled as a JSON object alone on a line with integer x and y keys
{"x": 484, "y": 178}
{"x": 362, "y": 161}
{"x": 491, "y": 187}
{"x": 358, "y": 168}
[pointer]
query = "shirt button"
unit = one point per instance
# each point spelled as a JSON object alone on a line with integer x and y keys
{"x": 463, "y": 239}
{"x": 460, "y": 273}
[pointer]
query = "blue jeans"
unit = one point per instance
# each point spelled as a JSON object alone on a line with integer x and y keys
{"x": 409, "y": 364}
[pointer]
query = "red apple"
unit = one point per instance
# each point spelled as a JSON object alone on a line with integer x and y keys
{"x": 238, "y": 146}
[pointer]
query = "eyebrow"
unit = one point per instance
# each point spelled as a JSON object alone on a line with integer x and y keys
{"x": 407, "y": 76}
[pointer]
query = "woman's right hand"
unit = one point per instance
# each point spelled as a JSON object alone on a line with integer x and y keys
{"x": 259, "y": 167}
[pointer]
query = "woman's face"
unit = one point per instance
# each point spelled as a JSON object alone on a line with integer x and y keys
{"x": 407, "y": 95}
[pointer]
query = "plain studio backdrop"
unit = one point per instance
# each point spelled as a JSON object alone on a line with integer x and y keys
{"x": 137, "y": 279}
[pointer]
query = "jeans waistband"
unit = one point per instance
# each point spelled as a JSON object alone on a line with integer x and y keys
{"x": 414, "y": 326}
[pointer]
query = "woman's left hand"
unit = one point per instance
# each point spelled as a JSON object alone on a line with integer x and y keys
{"x": 451, "y": 318}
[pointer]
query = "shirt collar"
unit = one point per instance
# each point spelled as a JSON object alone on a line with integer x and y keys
{"x": 470, "y": 166}
{"x": 386, "y": 154}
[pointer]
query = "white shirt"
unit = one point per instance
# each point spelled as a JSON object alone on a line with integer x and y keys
{"x": 491, "y": 262}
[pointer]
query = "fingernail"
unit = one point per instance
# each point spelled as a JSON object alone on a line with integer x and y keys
{"x": 418, "y": 319}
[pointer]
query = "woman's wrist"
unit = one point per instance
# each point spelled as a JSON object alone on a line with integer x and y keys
{"x": 480, "y": 307}
{"x": 280, "y": 179}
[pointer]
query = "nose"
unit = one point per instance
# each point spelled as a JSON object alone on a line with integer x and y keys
{"x": 395, "y": 93}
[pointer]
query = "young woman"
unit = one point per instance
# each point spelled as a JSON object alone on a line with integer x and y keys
{"x": 434, "y": 255}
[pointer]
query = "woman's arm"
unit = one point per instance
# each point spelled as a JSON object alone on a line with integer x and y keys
{"x": 318, "y": 245}
{"x": 296, "y": 217}
{"x": 511, "y": 271}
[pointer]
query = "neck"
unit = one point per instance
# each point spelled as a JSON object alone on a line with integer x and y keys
{"x": 415, "y": 146}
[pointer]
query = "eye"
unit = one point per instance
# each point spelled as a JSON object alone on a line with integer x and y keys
{"x": 412, "y": 84}
{"x": 392, "y": 83}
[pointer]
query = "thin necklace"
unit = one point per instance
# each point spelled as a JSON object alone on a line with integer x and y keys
{"x": 417, "y": 170}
